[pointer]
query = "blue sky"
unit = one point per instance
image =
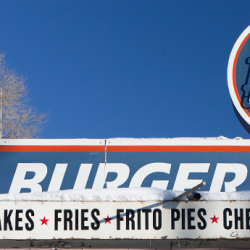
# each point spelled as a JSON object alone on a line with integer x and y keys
{"x": 126, "y": 68}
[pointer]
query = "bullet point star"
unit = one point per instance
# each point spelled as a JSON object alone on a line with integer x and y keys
{"x": 214, "y": 219}
{"x": 107, "y": 220}
{"x": 44, "y": 221}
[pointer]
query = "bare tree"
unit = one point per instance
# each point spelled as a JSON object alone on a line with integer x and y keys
{"x": 18, "y": 119}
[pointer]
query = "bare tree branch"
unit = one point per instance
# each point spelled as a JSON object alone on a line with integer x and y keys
{"x": 19, "y": 119}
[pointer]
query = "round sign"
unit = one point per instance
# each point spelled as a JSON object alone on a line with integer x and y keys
{"x": 238, "y": 76}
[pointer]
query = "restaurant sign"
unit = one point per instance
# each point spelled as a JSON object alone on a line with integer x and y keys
{"x": 238, "y": 77}
{"x": 169, "y": 164}
{"x": 38, "y": 222}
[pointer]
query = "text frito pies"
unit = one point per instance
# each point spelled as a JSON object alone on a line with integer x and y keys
{"x": 169, "y": 164}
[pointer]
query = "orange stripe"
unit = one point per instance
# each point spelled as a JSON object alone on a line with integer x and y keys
{"x": 47, "y": 148}
{"x": 132, "y": 148}
{"x": 178, "y": 149}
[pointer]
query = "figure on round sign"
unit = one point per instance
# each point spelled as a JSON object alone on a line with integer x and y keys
{"x": 245, "y": 98}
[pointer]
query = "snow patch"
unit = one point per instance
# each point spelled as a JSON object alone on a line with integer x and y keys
{"x": 121, "y": 194}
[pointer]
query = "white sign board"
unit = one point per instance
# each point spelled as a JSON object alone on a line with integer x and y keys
{"x": 43, "y": 221}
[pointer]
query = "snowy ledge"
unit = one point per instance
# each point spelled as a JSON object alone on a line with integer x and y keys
{"x": 127, "y": 141}
{"x": 121, "y": 194}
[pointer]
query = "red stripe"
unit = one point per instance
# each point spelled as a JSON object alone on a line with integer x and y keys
{"x": 47, "y": 148}
{"x": 178, "y": 149}
{"x": 134, "y": 148}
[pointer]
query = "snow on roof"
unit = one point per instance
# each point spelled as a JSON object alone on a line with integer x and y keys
{"x": 120, "y": 194}
{"x": 128, "y": 141}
